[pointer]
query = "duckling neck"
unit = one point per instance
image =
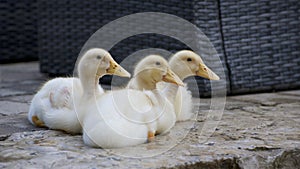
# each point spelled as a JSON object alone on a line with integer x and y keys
{"x": 142, "y": 84}
{"x": 159, "y": 96}
{"x": 170, "y": 92}
{"x": 181, "y": 74}
{"x": 181, "y": 71}
{"x": 90, "y": 86}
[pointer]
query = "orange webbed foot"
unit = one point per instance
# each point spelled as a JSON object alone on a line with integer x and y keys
{"x": 37, "y": 121}
{"x": 151, "y": 136}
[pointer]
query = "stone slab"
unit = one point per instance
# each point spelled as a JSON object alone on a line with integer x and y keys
{"x": 255, "y": 131}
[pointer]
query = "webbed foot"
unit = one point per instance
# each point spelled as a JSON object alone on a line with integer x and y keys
{"x": 37, "y": 121}
{"x": 151, "y": 136}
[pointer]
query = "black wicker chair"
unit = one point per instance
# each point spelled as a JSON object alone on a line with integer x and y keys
{"x": 262, "y": 44}
{"x": 257, "y": 41}
{"x": 65, "y": 25}
{"x": 18, "y": 33}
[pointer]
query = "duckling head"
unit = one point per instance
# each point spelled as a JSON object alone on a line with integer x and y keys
{"x": 186, "y": 63}
{"x": 153, "y": 69}
{"x": 99, "y": 62}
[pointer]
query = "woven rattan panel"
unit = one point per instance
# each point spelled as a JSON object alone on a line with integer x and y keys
{"x": 262, "y": 42}
{"x": 18, "y": 33}
{"x": 65, "y": 25}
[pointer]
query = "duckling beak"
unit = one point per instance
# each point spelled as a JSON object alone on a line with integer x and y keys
{"x": 116, "y": 69}
{"x": 205, "y": 72}
{"x": 171, "y": 77}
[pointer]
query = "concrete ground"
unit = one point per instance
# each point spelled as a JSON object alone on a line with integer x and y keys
{"x": 256, "y": 131}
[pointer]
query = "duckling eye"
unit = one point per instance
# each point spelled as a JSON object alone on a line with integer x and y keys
{"x": 189, "y": 59}
{"x": 99, "y": 57}
{"x": 157, "y": 63}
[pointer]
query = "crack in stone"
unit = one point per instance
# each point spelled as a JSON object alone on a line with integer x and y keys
{"x": 4, "y": 137}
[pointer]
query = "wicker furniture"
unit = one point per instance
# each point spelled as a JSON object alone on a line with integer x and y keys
{"x": 18, "y": 33}
{"x": 65, "y": 25}
{"x": 258, "y": 41}
{"x": 262, "y": 44}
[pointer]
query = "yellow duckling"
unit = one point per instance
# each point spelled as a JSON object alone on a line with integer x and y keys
{"x": 129, "y": 117}
{"x": 185, "y": 63}
{"x": 53, "y": 104}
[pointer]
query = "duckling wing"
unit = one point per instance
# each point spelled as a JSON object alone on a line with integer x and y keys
{"x": 41, "y": 100}
{"x": 53, "y": 104}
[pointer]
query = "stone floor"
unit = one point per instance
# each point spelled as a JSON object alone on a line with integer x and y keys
{"x": 255, "y": 131}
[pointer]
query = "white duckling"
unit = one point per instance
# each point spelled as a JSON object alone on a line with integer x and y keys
{"x": 53, "y": 105}
{"x": 185, "y": 63}
{"x": 130, "y": 117}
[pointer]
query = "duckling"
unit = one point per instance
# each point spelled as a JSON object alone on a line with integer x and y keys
{"x": 128, "y": 117}
{"x": 54, "y": 105}
{"x": 185, "y": 63}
